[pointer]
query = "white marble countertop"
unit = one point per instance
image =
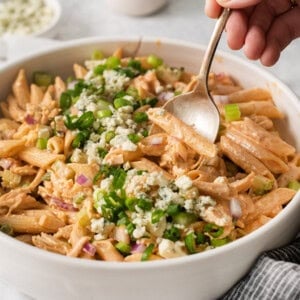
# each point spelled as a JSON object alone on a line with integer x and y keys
{"x": 179, "y": 19}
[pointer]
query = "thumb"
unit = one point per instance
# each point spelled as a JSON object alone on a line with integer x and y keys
{"x": 236, "y": 4}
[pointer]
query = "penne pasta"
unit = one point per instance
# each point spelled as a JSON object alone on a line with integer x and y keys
{"x": 97, "y": 169}
{"x": 39, "y": 158}
{"x": 180, "y": 130}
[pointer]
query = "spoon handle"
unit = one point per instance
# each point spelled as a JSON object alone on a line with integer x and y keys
{"x": 211, "y": 49}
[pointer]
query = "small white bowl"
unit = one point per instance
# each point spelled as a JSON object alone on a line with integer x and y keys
{"x": 48, "y": 30}
{"x": 136, "y": 7}
{"x": 51, "y": 30}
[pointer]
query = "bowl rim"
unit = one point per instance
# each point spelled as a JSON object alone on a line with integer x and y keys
{"x": 85, "y": 263}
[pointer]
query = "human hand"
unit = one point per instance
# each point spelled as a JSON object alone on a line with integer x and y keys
{"x": 263, "y": 28}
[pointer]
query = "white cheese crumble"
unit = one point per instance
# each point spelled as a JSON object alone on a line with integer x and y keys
{"x": 184, "y": 182}
{"x": 24, "y": 17}
{"x": 169, "y": 249}
{"x": 102, "y": 228}
{"x": 122, "y": 142}
{"x": 114, "y": 81}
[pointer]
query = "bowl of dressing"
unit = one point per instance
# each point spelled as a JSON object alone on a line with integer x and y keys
{"x": 35, "y": 18}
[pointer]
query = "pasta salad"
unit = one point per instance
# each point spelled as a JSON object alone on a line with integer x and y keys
{"x": 94, "y": 167}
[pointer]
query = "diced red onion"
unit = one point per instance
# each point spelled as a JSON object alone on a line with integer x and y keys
{"x": 89, "y": 249}
{"x": 220, "y": 76}
{"x": 235, "y": 208}
{"x": 63, "y": 205}
{"x": 82, "y": 180}
{"x": 165, "y": 96}
{"x": 137, "y": 248}
{"x": 157, "y": 140}
{"x": 29, "y": 120}
{"x": 5, "y": 163}
{"x": 221, "y": 99}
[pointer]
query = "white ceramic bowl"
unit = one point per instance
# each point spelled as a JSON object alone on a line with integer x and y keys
{"x": 49, "y": 30}
{"x": 207, "y": 275}
{"x": 136, "y": 7}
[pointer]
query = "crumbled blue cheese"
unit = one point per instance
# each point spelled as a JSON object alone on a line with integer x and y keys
{"x": 24, "y": 17}
{"x": 102, "y": 228}
{"x": 140, "y": 219}
{"x": 156, "y": 179}
{"x": 86, "y": 101}
{"x": 199, "y": 205}
{"x": 169, "y": 249}
{"x": 166, "y": 197}
{"x": 114, "y": 81}
{"x": 121, "y": 141}
{"x": 184, "y": 182}
{"x": 78, "y": 156}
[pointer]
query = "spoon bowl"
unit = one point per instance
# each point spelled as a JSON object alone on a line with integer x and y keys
{"x": 197, "y": 107}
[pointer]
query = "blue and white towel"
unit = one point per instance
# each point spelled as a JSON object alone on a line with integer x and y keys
{"x": 275, "y": 275}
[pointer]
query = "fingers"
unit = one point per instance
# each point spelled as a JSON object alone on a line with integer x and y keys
{"x": 284, "y": 29}
{"x": 212, "y": 9}
{"x": 237, "y": 4}
{"x": 236, "y": 29}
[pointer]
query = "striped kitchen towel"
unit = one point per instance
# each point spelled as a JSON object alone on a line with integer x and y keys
{"x": 275, "y": 275}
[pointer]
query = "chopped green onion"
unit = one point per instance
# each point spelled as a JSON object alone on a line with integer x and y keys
{"x": 172, "y": 234}
{"x": 157, "y": 215}
{"x": 190, "y": 243}
{"x": 140, "y": 117}
{"x": 145, "y": 133}
{"x": 119, "y": 178}
{"x": 144, "y": 204}
{"x": 65, "y": 101}
{"x": 85, "y": 121}
{"x": 133, "y": 138}
{"x": 147, "y": 252}
{"x": 294, "y": 185}
{"x": 213, "y": 230}
{"x": 135, "y": 64}
{"x": 154, "y": 61}
{"x": 103, "y": 104}
{"x": 130, "y": 203}
{"x": 78, "y": 199}
{"x": 104, "y": 113}
{"x": 41, "y": 143}
{"x": 97, "y": 55}
{"x": 173, "y": 209}
{"x": 219, "y": 242}
{"x": 200, "y": 238}
{"x": 42, "y": 78}
{"x": 120, "y": 102}
{"x": 7, "y": 229}
{"x": 132, "y": 91}
{"x": 130, "y": 228}
{"x": 98, "y": 70}
{"x": 109, "y": 136}
{"x": 232, "y": 112}
{"x": 122, "y": 218}
{"x": 80, "y": 139}
{"x": 112, "y": 62}
{"x": 185, "y": 218}
{"x": 261, "y": 185}
{"x": 102, "y": 152}
{"x": 151, "y": 101}
{"x": 123, "y": 248}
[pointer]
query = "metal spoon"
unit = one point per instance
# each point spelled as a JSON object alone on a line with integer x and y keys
{"x": 197, "y": 108}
